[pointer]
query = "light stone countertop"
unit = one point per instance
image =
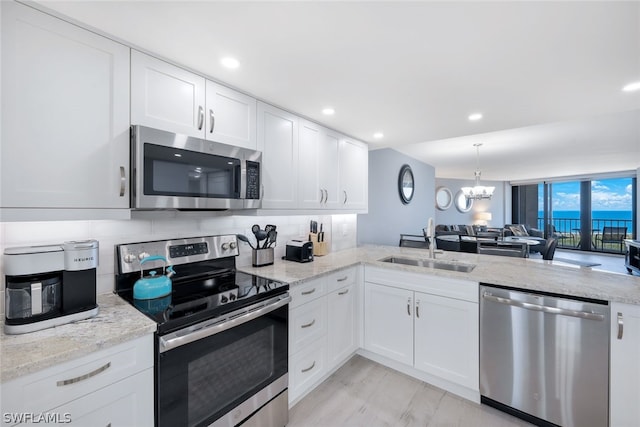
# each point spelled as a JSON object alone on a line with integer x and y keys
{"x": 523, "y": 273}
{"x": 117, "y": 322}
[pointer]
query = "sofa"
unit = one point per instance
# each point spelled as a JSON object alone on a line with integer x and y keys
{"x": 524, "y": 230}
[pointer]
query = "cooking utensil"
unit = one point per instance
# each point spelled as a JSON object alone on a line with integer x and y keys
{"x": 244, "y": 239}
{"x": 153, "y": 286}
{"x": 271, "y": 238}
{"x": 255, "y": 228}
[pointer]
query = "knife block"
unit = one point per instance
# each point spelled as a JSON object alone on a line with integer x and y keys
{"x": 319, "y": 248}
{"x": 260, "y": 257}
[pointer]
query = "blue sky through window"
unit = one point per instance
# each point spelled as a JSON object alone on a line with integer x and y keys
{"x": 612, "y": 194}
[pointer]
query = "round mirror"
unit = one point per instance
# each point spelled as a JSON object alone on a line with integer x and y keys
{"x": 462, "y": 203}
{"x": 406, "y": 184}
{"x": 444, "y": 198}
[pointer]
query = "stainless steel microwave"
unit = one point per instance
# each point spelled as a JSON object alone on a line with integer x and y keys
{"x": 172, "y": 171}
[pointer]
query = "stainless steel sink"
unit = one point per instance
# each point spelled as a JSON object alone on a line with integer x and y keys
{"x": 430, "y": 263}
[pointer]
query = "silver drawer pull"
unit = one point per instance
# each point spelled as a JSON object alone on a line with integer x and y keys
{"x": 309, "y": 292}
{"x": 308, "y": 325}
{"x": 85, "y": 376}
{"x": 346, "y": 291}
{"x": 343, "y": 279}
{"x": 310, "y": 367}
{"x": 620, "y": 326}
{"x": 123, "y": 181}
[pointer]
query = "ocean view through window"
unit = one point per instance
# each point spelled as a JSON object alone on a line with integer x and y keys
{"x": 594, "y": 215}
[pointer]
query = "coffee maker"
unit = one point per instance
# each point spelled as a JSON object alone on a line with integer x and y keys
{"x": 48, "y": 286}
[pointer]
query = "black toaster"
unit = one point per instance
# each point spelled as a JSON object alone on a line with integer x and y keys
{"x": 299, "y": 251}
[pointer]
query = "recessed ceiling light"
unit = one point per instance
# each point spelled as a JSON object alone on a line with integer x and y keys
{"x": 229, "y": 62}
{"x": 328, "y": 111}
{"x": 632, "y": 87}
{"x": 475, "y": 116}
{"x": 378, "y": 135}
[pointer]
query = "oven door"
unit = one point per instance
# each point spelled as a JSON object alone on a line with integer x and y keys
{"x": 224, "y": 371}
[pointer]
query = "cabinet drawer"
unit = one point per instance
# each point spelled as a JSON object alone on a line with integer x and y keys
{"x": 50, "y": 388}
{"x": 306, "y": 368}
{"x": 302, "y": 294}
{"x": 341, "y": 279}
{"x": 307, "y": 323}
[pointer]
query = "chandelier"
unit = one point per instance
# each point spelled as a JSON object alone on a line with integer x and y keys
{"x": 478, "y": 191}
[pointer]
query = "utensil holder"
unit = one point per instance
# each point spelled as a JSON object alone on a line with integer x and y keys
{"x": 261, "y": 257}
{"x": 319, "y": 248}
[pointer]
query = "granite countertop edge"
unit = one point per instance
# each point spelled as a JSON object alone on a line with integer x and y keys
{"x": 117, "y": 322}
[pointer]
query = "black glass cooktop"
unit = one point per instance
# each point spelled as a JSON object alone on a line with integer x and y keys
{"x": 201, "y": 292}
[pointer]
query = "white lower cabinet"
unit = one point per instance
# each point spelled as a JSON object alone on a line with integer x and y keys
{"x": 109, "y": 387}
{"x": 427, "y": 323}
{"x": 624, "y": 410}
{"x": 322, "y": 329}
{"x": 388, "y": 322}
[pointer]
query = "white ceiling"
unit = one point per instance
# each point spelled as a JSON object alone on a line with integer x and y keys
{"x": 547, "y": 76}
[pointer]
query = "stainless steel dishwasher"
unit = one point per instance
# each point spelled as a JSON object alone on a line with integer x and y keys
{"x": 545, "y": 358}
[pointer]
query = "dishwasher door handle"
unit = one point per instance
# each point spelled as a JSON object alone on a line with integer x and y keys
{"x": 543, "y": 308}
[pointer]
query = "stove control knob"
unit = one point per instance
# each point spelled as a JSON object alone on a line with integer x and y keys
{"x": 225, "y": 246}
{"x": 130, "y": 258}
{"x": 233, "y": 245}
{"x": 224, "y": 299}
{"x": 142, "y": 255}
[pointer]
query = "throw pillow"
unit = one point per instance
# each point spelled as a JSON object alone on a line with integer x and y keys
{"x": 518, "y": 230}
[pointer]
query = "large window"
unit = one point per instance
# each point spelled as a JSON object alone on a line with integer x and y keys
{"x": 590, "y": 215}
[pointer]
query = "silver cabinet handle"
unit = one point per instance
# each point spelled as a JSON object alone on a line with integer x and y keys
{"x": 85, "y": 376}
{"x": 418, "y": 309}
{"x": 310, "y": 367}
{"x": 343, "y": 279}
{"x": 123, "y": 181}
{"x": 321, "y": 196}
{"x": 543, "y": 308}
{"x": 409, "y": 306}
{"x": 346, "y": 291}
{"x": 326, "y": 196}
{"x": 212, "y": 119}
{"x": 200, "y": 117}
{"x": 620, "y": 326}
{"x": 308, "y": 325}
{"x": 308, "y": 292}
{"x": 345, "y": 197}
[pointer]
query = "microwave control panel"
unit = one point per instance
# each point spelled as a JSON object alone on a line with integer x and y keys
{"x": 253, "y": 180}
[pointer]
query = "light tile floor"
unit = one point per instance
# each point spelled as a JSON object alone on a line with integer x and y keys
{"x": 363, "y": 393}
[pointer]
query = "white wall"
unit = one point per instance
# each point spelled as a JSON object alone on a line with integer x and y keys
{"x": 111, "y": 233}
{"x": 499, "y": 205}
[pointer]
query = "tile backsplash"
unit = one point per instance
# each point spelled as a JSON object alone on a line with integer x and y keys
{"x": 340, "y": 233}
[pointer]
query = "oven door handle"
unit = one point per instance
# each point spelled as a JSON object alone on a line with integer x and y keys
{"x": 231, "y": 320}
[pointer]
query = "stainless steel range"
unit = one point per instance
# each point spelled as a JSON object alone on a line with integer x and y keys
{"x": 222, "y": 338}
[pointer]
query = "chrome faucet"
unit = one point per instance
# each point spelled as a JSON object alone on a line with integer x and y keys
{"x": 431, "y": 238}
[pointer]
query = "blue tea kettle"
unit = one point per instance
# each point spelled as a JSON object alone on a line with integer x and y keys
{"x": 152, "y": 286}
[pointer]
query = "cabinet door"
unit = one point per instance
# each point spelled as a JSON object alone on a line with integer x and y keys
{"x": 307, "y": 323}
{"x": 354, "y": 166}
{"x": 388, "y": 325}
{"x": 310, "y": 191}
{"x": 65, "y": 114}
{"x": 446, "y": 339}
{"x": 625, "y": 369}
{"x": 329, "y": 161}
{"x": 166, "y": 97}
{"x": 342, "y": 325}
{"x": 278, "y": 141}
{"x": 231, "y": 116}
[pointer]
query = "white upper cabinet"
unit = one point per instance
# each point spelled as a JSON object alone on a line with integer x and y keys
{"x": 65, "y": 114}
{"x": 354, "y": 175}
{"x": 278, "y": 141}
{"x": 170, "y": 98}
{"x": 318, "y": 167}
{"x": 230, "y": 116}
{"x": 166, "y": 97}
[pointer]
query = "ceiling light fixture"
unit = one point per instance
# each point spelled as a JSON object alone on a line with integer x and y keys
{"x": 478, "y": 191}
{"x": 328, "y": 111}
{"x": 475, "y": 117}
{"x": 631, "y": 87}
{"x": 378, "y": 135}
{"x": 231, "y": 63}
